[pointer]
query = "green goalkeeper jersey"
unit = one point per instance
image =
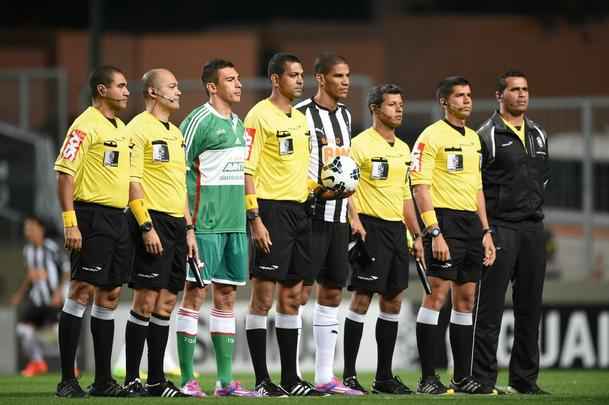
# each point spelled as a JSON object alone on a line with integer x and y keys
{"x": 215, "y": 155}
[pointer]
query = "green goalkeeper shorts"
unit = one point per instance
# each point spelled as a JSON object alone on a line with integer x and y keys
{"x": 225, "y": 258}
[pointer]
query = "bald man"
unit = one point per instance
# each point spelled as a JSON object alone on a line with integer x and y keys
{"x": 161, "y": 229}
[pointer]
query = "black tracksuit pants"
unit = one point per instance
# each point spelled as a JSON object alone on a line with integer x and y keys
{"x": 521, "y": 258}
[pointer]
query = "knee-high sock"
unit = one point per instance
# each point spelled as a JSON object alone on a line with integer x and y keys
{"x": 222, "y": 329}
{"x": 427, "y": 339}
{"x": 158, "y": 333}
{"x": 187, "y": 323}
{"x": 287, "y": 327}
{"x": 102, "y": 329}
{"x": 255, "y": 326}
{"x": 70, "y": 322}
{"x": 354, "y": 326}
{"x": 461, "y": 339}
{"x": 325, "y": 332}
{"x": 386, "y": 335}
{"x": 136, "y": 333}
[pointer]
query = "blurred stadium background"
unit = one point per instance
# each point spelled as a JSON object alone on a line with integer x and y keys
{"x": 46, "y": 52}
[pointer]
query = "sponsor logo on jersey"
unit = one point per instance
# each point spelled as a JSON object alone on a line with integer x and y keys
{"x": 233, "y": 167}
{"x": 72, "y": 145}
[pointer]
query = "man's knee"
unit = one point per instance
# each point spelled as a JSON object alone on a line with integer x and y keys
{"x": 193, "y": 296}
{"x": 329, "y": 296}
{"x": 224, "y": 296}
{"x": 81, "y": 292}
{"x": 360, "y": 301}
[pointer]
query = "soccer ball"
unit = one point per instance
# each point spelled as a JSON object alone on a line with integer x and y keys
{"x": 340, "y": 175}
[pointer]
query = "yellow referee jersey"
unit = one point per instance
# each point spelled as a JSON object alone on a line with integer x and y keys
{"x": 96, "y": 153}
{"x": 383, "y": 184}
{"x": 278, "y": 154}
{"x": 450, "y": 163}
{"x": 158, "y": 162}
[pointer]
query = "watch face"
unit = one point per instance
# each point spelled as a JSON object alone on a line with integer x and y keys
{"x": 435, "y": 232}
{"x": 145, "y": 227}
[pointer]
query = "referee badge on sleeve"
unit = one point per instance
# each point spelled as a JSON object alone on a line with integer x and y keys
{"x": 379, "y": 169}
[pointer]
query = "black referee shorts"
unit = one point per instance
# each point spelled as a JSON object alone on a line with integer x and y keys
{"x": 289, "y": 226}
{"x": 167, "y": 270}
{"x": 386, "y": 243}
{"x": 462, "y": 232}
{"x": 330, "y": 265}
{"x": 106, "y": 256}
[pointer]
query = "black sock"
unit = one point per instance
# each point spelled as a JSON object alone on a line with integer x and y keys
{"x": 427, "y": 344}
{"x": 135, "y": 337}
{"x": 103, "y": 337}
{"x": 158, "y": 333}
{"x": 461, "y": 337}
{"x": 287, "y": 340}
{"x": 256, "y": 341}
{"x": 352, "y": 339}
{"x": 69, "y": 334}
{"x": 386, "y": 335}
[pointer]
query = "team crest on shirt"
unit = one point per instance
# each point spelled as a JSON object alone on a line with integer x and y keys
{"x": 70, "y": 150}
{"x": 417, "y": 157}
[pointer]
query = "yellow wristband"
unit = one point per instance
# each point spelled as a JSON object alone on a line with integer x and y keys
{"x": 251, "y": 202}
{"x": 69, "y": 219}
{"x": 312, "y": 185}
{"x": 429, "y": 218}
{"x": 140, "y": 211}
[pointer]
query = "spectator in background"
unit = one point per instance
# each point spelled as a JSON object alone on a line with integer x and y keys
{"x": 40, "y": 295}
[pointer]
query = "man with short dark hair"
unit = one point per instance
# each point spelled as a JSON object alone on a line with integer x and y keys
{"x": 161, "y": 231}
{"x": 215, "y": 154}
{"x": 330, "y": 125}
{"x": 93, "y": 186}
{"x": 384, "y": 208}
{"x": 447, "y": 187}
{"x": 276, "y": 187}
{"x": 515, "y": 172}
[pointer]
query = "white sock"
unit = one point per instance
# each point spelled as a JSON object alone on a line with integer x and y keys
{"x": 29, "y": 342}
{"x": 187, "y": 321}
{"x": 298, "y": 373}
{"x": 325, "y": 332}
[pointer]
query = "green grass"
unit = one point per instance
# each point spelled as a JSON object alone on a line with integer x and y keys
{"x": 567, "y": 387}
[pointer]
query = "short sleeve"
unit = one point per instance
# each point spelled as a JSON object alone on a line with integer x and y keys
{"x": 423, "y": 160}
{"x": 254, "y": 139}
{"x": 138, "y": 146}
{"x": 76, "y": 144}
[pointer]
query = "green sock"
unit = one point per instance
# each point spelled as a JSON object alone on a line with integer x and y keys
{"x": 186, "y": 351}
{"x": 224, "y": 346}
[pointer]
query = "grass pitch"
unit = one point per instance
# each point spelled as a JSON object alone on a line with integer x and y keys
{"x": 567, "y": 387}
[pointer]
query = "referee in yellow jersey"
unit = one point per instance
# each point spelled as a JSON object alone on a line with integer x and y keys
{"x": 383, "y": 205}
{"x": 162, "y": 231}
{"x": 93, "y": 183}
{"x": 447, "y": 185}
{"x": 276, "y": 173}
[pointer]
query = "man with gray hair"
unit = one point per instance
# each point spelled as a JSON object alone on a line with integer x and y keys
{"x": 161, "y": 230}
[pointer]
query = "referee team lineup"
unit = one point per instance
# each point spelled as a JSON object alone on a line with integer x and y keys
{"x": 218, "y": 203}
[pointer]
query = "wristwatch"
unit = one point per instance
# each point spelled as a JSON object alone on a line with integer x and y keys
{"x": 487, "y": 230}
{"x": 435, "y": 232}
{"x": 146, "y": 227}
{"x": 251, "y": 215}
{"x": 190, "y": 227}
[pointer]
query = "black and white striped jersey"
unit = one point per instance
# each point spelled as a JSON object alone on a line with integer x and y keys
{"x": 50, "y": 260}
{"x": 332, "y": 137}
